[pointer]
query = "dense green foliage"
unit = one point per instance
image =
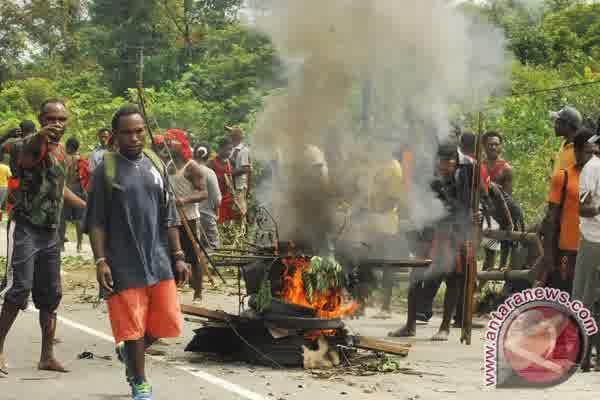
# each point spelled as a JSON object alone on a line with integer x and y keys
{"x": 204, "y": 69}
{"x": 556, "y": 45}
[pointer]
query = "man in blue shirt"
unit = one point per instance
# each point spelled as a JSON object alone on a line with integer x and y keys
{"x": 132, "y": 223}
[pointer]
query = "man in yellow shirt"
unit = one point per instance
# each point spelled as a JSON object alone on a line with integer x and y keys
{"x": 386, "y": 193}
{"x": 4, "y": 175}
{"x": 566, "y": 123}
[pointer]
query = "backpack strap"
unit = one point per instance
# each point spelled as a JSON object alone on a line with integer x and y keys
{"x": 110, "y": 172}
{"x": 162, "y": 170}
{"x": 155, "y": 159}
{"x": 563, "y": 194}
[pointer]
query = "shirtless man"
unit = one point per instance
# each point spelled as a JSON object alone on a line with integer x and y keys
{"x": 499, "y": 172}
{"x": 188, "y": 182}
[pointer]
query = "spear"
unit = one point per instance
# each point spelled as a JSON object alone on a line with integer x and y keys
{"x": 199, "y": 250}
{"x": 472, "y": 244}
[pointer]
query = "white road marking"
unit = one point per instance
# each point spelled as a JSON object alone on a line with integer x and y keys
{"x": 232, "y": 387}
{"x": 205, "y": 376}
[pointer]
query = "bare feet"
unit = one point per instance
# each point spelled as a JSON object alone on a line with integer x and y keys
{"x": 405, "y": 331}
{"x": 51, "y": 365}
{"x": 441, "y": 336}
{"x": 3, "y": 365}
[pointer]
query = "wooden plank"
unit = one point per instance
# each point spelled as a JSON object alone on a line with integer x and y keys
{"x": 370, "y": 343}
{"x": 510, "y": 235}
{"x": 395, "y": 263}
{"x": 527, "y": 274}
{"x": 206, "y": 313}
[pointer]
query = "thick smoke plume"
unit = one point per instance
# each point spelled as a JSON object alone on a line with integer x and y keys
{"x": 366, "y": 79}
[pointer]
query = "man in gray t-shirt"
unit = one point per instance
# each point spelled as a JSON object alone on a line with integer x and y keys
{"x": 133, "y": 230}
{"x": 242, "y": 169}
{"x": 209, "y": 208}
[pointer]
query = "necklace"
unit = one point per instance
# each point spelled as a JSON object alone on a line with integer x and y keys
{"x": 135, "y": 162}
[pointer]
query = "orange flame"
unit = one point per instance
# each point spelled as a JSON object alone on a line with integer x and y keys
{"x": 329, "y": 305}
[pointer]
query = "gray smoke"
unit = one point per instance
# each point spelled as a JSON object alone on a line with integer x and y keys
{"x": 406, "y": 63}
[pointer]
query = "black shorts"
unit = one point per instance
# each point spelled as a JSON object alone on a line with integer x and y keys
{"x": 33, "y": 267}
{"x": 74, "y": 214}
{"x": 208, "y": 233}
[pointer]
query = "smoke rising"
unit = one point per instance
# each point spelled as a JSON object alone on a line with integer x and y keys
{"x": 367, "y": 79}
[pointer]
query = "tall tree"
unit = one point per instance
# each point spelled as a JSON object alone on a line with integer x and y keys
{"x": 126, "y": 26}
{"x": 12, "y": 38}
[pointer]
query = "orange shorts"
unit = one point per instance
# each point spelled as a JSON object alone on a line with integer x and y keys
{"x": 153, "y": 311}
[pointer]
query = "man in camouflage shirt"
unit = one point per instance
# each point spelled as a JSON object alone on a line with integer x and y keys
{"x": 34, "y": 256}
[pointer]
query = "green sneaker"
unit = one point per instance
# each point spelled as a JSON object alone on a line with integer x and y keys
{"x": 142, "y": 391}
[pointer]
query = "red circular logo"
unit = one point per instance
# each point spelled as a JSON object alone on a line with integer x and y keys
{"x": 543, "y": 344}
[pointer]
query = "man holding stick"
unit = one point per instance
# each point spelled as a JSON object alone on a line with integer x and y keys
{"x": 448, "y": 250}
{"x": 132, "y": 222}
{"x": 189, "y": 185}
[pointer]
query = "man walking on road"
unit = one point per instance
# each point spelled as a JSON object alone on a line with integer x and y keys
{"x": 132, "y": 222}
{"x": 34, "y": 256}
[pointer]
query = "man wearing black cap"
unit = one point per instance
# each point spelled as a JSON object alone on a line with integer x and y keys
{"x": 566, "y": 123}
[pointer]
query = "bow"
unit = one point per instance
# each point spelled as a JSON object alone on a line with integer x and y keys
{"x": 199, "y": 250}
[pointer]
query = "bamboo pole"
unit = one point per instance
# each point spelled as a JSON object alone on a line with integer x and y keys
{"x": 472, "y": 245}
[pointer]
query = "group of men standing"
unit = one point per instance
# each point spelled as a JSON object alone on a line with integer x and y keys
{"x": 570, "y": 230}
{"x": 571, "y": 227}
{"x": 146, "y": 212}
{"x": 133, "y": 207}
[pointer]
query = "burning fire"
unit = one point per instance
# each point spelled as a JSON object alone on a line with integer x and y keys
{"x": 328, "y": 305}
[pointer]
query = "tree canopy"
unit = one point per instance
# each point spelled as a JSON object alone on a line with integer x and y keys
{"x": 203, "y": 68}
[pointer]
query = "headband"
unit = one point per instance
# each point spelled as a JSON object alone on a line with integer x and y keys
{"x": 201, "y": 151}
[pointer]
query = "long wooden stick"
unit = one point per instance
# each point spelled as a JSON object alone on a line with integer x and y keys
{"x": 197, "y": 251}
{"x": 472, "y": 246}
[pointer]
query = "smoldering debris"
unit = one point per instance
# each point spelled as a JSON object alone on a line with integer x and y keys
{"x": 367, "y": 78}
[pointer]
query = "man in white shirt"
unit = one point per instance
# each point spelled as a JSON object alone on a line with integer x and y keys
{"x": 585, "y": 281}
{"x": 241, "y": 168}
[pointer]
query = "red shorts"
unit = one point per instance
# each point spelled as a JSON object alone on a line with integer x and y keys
{"x": 153, "y": 311}
{"x": 226, "y": 212}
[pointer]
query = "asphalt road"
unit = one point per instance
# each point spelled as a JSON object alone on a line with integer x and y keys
{"x": 448, "y": 370}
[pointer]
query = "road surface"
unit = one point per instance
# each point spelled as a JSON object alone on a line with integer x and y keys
{"x": 457, "y": 369}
